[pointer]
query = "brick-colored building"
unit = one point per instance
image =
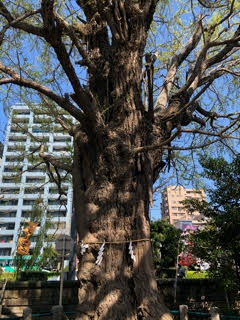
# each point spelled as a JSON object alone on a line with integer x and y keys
{"x": 173, "y": 211}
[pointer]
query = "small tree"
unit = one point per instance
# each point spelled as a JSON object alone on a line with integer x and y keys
{"x": 219, "y": 242}
{"x": 37, "y": 257}
{"x": 165, "y": 245}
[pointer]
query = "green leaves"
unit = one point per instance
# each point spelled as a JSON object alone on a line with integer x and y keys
{"x": 219, "y": 242}
{"x": 165, "y": 242}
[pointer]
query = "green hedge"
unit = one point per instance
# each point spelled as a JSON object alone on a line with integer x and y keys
{"x": 32, "y": 275}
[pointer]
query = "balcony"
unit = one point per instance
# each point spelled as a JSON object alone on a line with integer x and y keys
{"x": 35, "y": 191}
{"x": 19, "y": 139}
{"x": 6, "y": 227}
{"x": 57, "y": 214}
{"x": 11, "y": 179}
{"x": 13, "y": 170}
{"x": 14, "y": 159}
{"x": 36, "y": 129}
{"x": 8, "y": 192}
{"x": 19, "y": 129}
{"x": 9, "y": 202}
{"x": 35, "y": 180}
{"x": 6, "y": 239}
{"x": 8, "y": 215}
{"x": 5, "y": 252}
{"x": 29, "y": 202}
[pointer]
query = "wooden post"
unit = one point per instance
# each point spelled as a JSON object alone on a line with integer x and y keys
{"x": 62, "y": 273}
{"x": 2, "y": 296}
{"x": 27, "y": 314}
{"x": 214, "y": 312}
{"x": 183, "y": 309}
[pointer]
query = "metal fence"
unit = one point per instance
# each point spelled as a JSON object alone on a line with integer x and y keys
{"x": 181, "y": 314}
{"x": 213, "y": 314}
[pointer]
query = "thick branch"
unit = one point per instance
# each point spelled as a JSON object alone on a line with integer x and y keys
{"x": 80, "y": 96}
{"x": 17, "y": 22}
{"x": 15, "y": 78}
{"x": 47, "y": 14}
{"x": 56, "y": 162}
{"x": 71, "y": 32}
{"x": 176, "y": 62}
{"x": 202, "y": 63}
{"x": 227, "y": 50}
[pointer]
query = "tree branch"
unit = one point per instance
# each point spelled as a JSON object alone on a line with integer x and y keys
{"x": 175, "y": 63}
{"x": 71, "y": 31}
{"x": 15, "y": 78}
{"x": 80, "y": 96}
{"x": 55, "y": 162}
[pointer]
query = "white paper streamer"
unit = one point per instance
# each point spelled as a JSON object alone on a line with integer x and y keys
{"x": 100, "y": 254}
{"x": 131, "y": 251}
{"x": 83, "y": 248}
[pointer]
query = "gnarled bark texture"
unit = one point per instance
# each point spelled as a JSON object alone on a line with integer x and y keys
{"x": 112, "y": 194}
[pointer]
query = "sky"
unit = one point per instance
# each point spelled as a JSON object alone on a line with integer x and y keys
{"x": 3, "y": 122}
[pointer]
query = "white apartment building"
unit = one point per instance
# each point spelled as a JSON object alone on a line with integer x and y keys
{"x": 22, "y": 181}
{"x": 173, "y": 210}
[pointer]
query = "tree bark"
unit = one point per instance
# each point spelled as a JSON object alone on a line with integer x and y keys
{"x": 112, "y": 193}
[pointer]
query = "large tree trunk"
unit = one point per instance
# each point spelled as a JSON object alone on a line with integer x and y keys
{"x": 112, "y": 179}
{"x": 113, "y": 207}
{"x": 112, "y": 192}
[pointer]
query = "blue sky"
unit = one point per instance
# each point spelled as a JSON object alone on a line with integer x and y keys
{"x": 3, "y": 122}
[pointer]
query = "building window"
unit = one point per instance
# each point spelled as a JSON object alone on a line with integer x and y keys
{"x": 36, "y": 169}
{"x": 5, "y": 251}
{"x": 7, "y": 214}
{"x": 14, "y": 158}
{"x": 13, "y": 169}
{"x": 7, "y": 226}
{"x": 40, "y": 130}
{"x": 29, "y": 202}
{"x": 58, "y": 225}
{"x": 34, "y": 147}
{"x": 6, "y": 239}
{"x": 33, "y": 191}
{"x": 15, "y": 147}
{"x": 35, "y": 180}
{"x": 8, "y": 202}
{"x": 17, "y": 129}
{"x": 61, "y": 139}
{"x": 20, "y": 120}
{"x": 22, "y": 111}
{"x": 17, "y": 139}
{"x": 54, "y": 202}
{"x": 9, "y": 190}
{"x": 57, "y": 214}
{"x": 26, "y": 214}
{"x": 60, "y": 148}
{"x": 56, "y": 191}
{"x": 11, "y": 180}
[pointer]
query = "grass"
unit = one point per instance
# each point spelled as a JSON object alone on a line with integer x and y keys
{"x": 11, "y": 276}
{"x": 196, "y": 274}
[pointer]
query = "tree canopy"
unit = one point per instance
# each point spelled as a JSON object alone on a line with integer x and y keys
{"x": 184, "y": 51}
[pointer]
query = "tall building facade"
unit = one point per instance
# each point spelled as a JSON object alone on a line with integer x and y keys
{"x": 23, "y": 177}
{"x": 173, "y": 210}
